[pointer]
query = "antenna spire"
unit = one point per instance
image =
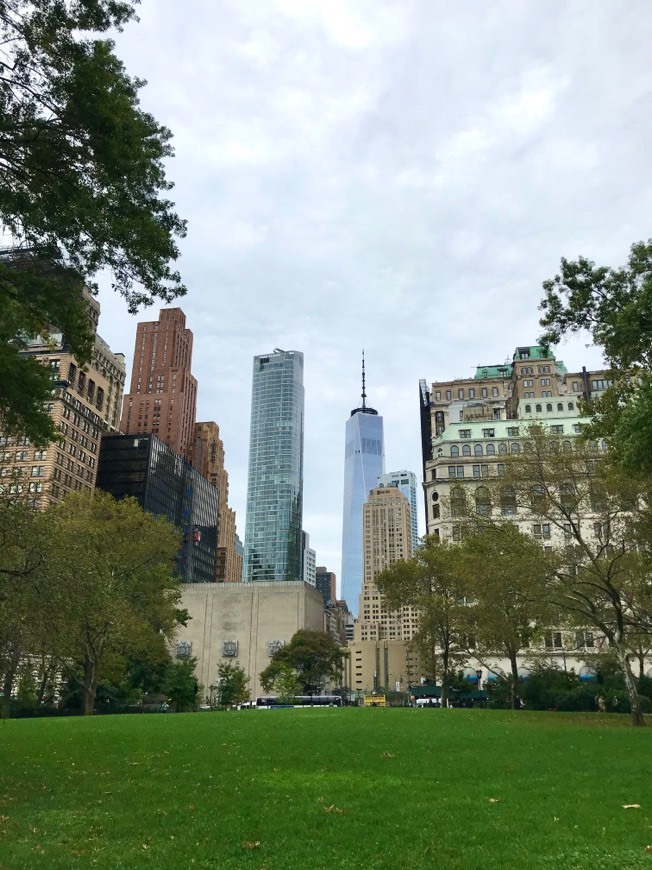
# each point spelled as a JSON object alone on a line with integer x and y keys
{"x": 364, "y": 395}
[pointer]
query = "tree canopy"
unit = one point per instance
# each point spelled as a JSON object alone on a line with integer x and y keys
{"x": 87, "y": 584}
{"x": 615, "y": 307}
{"x": 313, "y": 656}
{"x": 432, "y": 584}
{"x": 82, "y": 182}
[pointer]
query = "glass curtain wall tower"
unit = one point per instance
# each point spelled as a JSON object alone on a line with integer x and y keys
{"x": 364, "y": 462}
{"x": 273, "y": 549}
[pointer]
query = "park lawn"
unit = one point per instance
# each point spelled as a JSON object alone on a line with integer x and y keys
{"x": 327, "y": 788}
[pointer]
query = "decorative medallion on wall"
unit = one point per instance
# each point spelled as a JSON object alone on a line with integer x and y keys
{"x": 183, "y": 648}
{"x": 230, "y": 648}
{"x": 274, "y": 646}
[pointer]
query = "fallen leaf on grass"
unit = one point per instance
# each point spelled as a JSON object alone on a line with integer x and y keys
{"x": 387, "y": 755}
{"x": 648, "y": 849}
{"x": 253, "y": 845}
{"x": 494, "y": 800}
{"x": 631, "y": 806}
{"x": 333, "y": 809}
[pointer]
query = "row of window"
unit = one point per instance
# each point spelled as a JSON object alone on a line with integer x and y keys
{"x": 469, "y": 393}
{"x": 22, "y": 456}
{"x": 549, "y": 406}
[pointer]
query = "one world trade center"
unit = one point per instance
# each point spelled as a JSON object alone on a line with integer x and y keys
{"x": 364, "y": 462}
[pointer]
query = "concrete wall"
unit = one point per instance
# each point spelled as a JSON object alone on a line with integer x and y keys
{"x": 250, "y": 615}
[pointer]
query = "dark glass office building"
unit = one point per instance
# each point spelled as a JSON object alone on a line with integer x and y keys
{"x": 165, "y": 484}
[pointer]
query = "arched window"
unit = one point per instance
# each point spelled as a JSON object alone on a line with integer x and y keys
{"x": 455, "y": 450}
{"x": 604, "y": 445}
{"x": 515, "y": 448}
{"x": 571, "y": 406}
{"x": 527, "y": 447}
{"x": 482, "y": 501}
{"x": 528, "y": 409}
{"x": 566, "y": 446}
{"x": 507, "y": 501}
{"x": 502, "y": 448}
{"x": 466, "y": 450}
{"x": 549, "y": 406}
{"x": 491, "y": 450}
{"x": 539, "y": 409}
{"x": 560, "y": 407}
{"x": 553, "y": 447}
{"x": 477, "y": 449}
{"x": 458, "y": 502}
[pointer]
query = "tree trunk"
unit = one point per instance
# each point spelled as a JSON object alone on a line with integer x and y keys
{"x": 444, "y": 680}
{"x": 8, "y": 682}
{"x": 89, "y": 686}
{"x": 638, "y": 720}
{"x": 513, "y": 683}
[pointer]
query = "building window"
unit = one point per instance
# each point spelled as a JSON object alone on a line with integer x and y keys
{"x": 546, "y": 395}
{"x": 460, "y": 471}
{"x": 448, "y": 395}
{"x": 557, "y": 430}
{"x": 539, "y": 409}
{"x": 451, "y": 471}
{"x": 491, "y": 449}
{"x": 512, "y": 431}
{"x": 488, "y": 433}
{"x": 494, "y": 391}
{"x": 601, "y": 384}
{"x": 455, "y": 450}
{"x": 541, "y": 531}
{"x": 466, "y": 450}
{"x": 545, "y": 382}
{"x": 507, "y": 500}
{"x": 528, "y": 409}
{"x": 482, "y": 501}
{"x": 438, "y": 396}
{"x": 458, "y": 502}
{"x": 560, "y": 407}
{"x": 528, "y": 382}
{"x": 465, "y": 433}
{"x": 471, "y": 393}
{"x": 477, "y": 450}
{"x": 484, "y": 393}
{"x": 476, "y": 471}
{"x": 576, "y": 387}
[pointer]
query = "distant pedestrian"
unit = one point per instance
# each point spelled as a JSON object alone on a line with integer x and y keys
{"x": 599, "y": 700}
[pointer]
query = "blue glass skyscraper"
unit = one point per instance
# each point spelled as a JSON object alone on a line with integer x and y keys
{"x": 275, "y": 487}
{"x": 364, "y": 462}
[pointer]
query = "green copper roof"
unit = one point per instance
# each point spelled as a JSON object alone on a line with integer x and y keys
{"x": 504, "y": 371}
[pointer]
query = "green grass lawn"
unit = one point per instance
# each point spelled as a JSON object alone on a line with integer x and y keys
{"x": 330, "y": 788}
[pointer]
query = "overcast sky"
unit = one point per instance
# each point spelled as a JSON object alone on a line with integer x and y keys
{"x": 398, "y": 175}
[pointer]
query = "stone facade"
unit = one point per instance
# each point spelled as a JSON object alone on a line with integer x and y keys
{"x": 84, "y": 405}
{"x": 244, "y": 623}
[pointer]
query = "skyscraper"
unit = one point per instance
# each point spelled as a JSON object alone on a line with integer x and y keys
{"x": 162, "y": 398}
{"x": 364, "y": 462}
{"x": 406, "y": 481}
{"x": 209, "y": 462}
{"x": 273, "y": 549}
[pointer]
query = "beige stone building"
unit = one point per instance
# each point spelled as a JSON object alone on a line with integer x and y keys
{"x": 245, "y": 623}
{"x": 381, "y": 654}
{"x": 85, "y": 404}
{"x": 209, "y": 462}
